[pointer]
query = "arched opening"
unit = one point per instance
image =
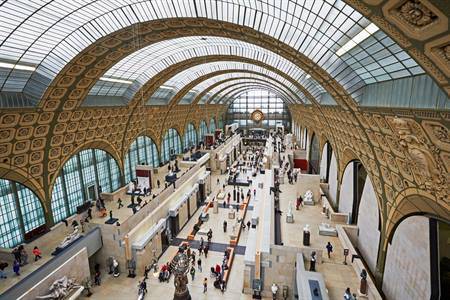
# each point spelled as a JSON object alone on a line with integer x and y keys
{"x": 273, "y": 108}
{"x": 21, "y": 214}
{"x": 202, "y": 130}
{"x": 171, "y": 145}
{"x": 333, "y": 179}
{"x": 220, "y": 123}
{"x": 143, "y": 151}
{"x": 408, "y": 268}
{"x": 325, "y": 162}
{"x": 314, "y": 155}
{"x": 82, "y": 179}
{"x": 190, "y": 137}
{"x": 352, "y": 186}
{"x": 212, "y": 125}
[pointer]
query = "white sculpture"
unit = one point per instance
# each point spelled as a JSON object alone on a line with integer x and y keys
{"x": 290, "y": 208}
{"x": 115, "y": 264}
{"x": 60, "y": 288}
{"x": 130, "y": 187}
{"x": 70, "y": 238}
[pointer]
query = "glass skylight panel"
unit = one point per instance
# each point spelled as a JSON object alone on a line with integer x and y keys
{"x": 49, "y": 36}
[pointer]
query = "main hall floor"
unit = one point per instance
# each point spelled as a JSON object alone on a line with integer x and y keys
{"x": 337, "y": 275}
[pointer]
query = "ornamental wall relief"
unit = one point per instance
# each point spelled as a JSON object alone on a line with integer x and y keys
{"x": 426, "y": 164}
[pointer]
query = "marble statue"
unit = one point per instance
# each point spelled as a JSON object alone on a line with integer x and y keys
{"x": 60, "y": 288}
{"x": 290, "y": 208}
{"x": 115, "y": 265}
{"x": 70, "y": 238}
{"x": 131, "y": 187}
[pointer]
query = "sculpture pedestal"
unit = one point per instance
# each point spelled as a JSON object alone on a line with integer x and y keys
{"x": 231, "y": 215}
{"x": 289, "y": 218}
{"x": 215, "y": 207}
{"x": 183, "y": 296}
{"x": 306, "y": 236}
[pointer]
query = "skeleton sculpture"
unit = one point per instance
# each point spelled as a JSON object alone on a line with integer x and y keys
{"x": 60, "y": 289}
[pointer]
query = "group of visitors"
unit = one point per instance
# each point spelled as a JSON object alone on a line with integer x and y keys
{"x": 20, "y": 259}
{"x": 218, "y": 272}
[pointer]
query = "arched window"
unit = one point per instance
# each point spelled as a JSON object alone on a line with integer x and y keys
{"x": 83, "y": 178}
{"x": 202, "y": 130}
{"x": 20, "y": 212}
{"x": 142, "y": 151}
{"x": 171, "y": 145}
{"x": 212, "y": 126}
{"x": 190, "y": 136}
{"x": 274, "y": 110}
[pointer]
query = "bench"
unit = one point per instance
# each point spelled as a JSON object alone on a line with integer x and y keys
{"x": 242, "y": 214}
{"x": 191, "y": 235}
{"x": 226, "y": 273}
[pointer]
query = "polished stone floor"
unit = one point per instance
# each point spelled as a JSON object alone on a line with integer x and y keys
{"x": 337, "y": 275}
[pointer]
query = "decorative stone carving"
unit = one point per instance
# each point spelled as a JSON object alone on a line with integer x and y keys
{"x": 415, "y": 13}
{"x": 426, "y": 170}
{"x": 419, "y": 19}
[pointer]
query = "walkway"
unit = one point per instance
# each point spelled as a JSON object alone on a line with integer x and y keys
{"x": 113, "y": 288}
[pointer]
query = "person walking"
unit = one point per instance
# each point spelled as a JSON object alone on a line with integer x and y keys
{"x": 146, "y": 271}
{"x": 97, "y": 280}
{"x": 206, "y": 249}
{"x": 16, "y": 254}
{"x": 37, "y": 253}
{"x": 119, "y": 202}
{"x": 312, "y": 266}
{"x": 158, "y": 183}
{"x": 3, "y": 265}
{"x": 199, "y": 264}
{"x": 348, "y": 294}
{"x": 254, "y": 193}
{"x": 192, "y": 272}
{"x": 225, "y": 226}
{"x": 209, "y": 234}
{"x": 248, "y": 225}
{"x": 205, "y": 285}
{"x": 16, "y": 267}
{"x": 329, "y": 249}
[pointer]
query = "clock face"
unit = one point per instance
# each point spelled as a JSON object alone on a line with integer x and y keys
{"x": 257, "y": 116}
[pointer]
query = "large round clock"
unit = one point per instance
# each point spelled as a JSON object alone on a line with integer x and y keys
{"x": 257, "y": 116}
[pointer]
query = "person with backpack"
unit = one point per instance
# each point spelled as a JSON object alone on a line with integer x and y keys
{"x": 329, "y": 249}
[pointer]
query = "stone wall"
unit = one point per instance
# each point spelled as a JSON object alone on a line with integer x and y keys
{"x": 333, "y": 180}
{"x": 323, "y": 163}
{"x": 368, "y": 219}
{"x": 407, "y": 271}
{"x": 346, "y": 191}
{"x": 309, "y": 182}
{"x": 77, "y": 267}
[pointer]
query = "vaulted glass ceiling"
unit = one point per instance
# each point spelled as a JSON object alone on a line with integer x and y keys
{"x": 46, "y": 35}
{"x": 185, "y": 77}
{"x": 142, "y": 65}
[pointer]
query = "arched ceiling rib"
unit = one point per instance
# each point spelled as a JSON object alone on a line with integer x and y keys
{"x": 231, "y": 94}
{"x": 228, "y": 83}
{"x": 154, "y": 58}
{"x": 173, "y": 99}
{"x": 234, "y": 92}
{"x": 225, "y": 71}
{"x": 47, "y": 37}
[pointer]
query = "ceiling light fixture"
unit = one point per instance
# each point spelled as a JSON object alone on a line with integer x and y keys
{"x": 364, "y": 34}
{"x": 116, "y": 80}
{"x": 308, "y": 76}
{"x": 17, "y": 67}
